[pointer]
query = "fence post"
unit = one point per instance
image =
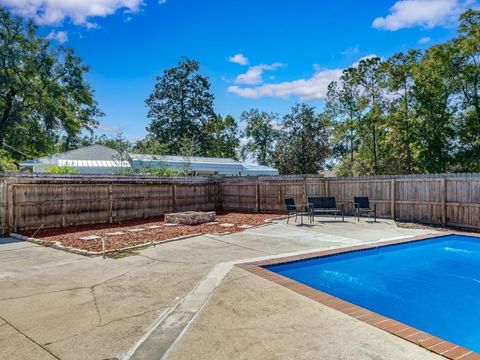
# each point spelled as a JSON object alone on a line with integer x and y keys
{"x": 110, "y": 204}
{"x": 257, "y": 196}
{"x": 64, "y": 205}
{"x": 327, "y": 187}
{"x": 392, "y": 197}
{"x": 443, "y": 183}
{"x": 10, "y": 206}
{"x": 174, "y": 196}
{"x": 219, "y": 197}
{"x": 305, "y": 194}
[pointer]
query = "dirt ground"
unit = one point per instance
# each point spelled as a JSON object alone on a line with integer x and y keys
{"x": 145, "y": 230}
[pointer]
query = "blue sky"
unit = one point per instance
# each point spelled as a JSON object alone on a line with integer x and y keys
{"x": 294, "y": 48}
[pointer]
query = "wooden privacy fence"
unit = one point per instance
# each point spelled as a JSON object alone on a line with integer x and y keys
{"x": 30, "y": 201}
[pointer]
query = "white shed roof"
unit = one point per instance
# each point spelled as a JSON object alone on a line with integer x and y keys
{"x": 93, "y": 163}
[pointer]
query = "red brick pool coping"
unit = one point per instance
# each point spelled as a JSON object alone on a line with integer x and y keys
{"x": 436, "y": 345}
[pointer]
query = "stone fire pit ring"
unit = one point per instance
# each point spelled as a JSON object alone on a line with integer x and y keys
{"x": 190, "y": 217}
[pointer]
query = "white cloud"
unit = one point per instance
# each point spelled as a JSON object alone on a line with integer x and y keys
{"x": 254, "y": 74}
{"x": 60, "y": 36}
{"x": 423, "y": 13}
{"x": 351, "y": 51}
{"x": 161, "y": 2}
{"x": 109, "y": 128}
{"x": 54, "y": 12}
{"x": 238, "y": 59}
{"x": 424, "y": 40}
{"x": 314, "y": 88}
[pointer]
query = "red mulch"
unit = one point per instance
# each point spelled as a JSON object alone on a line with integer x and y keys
{"x": 70, "y": 236}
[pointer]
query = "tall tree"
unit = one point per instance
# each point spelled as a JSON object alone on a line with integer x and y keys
{"x": 222, "y": 136}
{"x": 260, "y": 135}
{"x": 43, "y": 93}
{"x": 180, "y": 105}
{"x": 402, "y": 121}
{"x": 371, "y": 78}
{"x": 344, "y": 106}
{"x": 303, "y": 144}
{"x": 434, "y": 91}
{"x": 465, "y": 51}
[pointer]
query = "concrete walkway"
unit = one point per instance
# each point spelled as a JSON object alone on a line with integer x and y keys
{"x": 56, "y": 305}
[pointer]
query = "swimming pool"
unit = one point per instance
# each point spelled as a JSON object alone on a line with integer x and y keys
{"x": 431, "y": 285}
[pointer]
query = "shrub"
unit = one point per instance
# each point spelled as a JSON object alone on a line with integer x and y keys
{"x": 55, "y": 169}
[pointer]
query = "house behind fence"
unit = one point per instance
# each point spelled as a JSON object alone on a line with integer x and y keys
{"x": 98, "y": 159}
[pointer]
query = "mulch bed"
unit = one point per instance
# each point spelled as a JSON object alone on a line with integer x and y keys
{"x": 70, "y": 236}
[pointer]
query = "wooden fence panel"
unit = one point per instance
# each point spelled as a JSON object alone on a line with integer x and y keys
{"x": 130, "y": 201}
{"x": 315, "y": 186}
{"x": 273, "y": 193}
{"x": 419, "y": 200}
{"x": 463, "y": 202}
{"x": 378, "y": 191}
{"x": 240, "y": 195}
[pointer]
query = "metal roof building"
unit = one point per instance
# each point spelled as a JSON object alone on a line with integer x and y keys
{"x": 98, "y": 159}
{"x": 95, "y": 159}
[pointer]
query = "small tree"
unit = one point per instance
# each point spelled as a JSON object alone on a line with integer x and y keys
{"x": 303, "y": 144}
{"x": 189, "y": 148}
{"x": 260, "y": 134}
{"x": 123, "y": 147}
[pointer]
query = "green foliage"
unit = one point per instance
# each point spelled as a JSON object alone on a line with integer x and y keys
{"x": 55, "y": 169}
{"x": 7, "y": 163}
{"x": 180, "y": 105}
{"x": 260, "y": 135}
{"x": 222, "y": 136}
{"x": 160, "y": 171}
{"x": 43, "y": 93}
{"x": 303, "y": 144}
{"x": 414, "y": 112}
{"x": 151, "y": 146}
{"x": 123, "y": 147}
{"x": 189, "y": 147}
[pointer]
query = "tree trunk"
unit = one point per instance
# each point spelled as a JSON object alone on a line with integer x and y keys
{"x": 407, "y": 141}
{"x": 6, "y": 115}
{"x": 409, "y": 157}
{"x": 352, "y": 159}
{"x": 374, "y": 146}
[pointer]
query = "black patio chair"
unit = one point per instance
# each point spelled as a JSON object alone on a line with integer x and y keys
{"x": 293, "y": 208}
{"x": 362, "y": 206}
{"x": 324, "y": 204}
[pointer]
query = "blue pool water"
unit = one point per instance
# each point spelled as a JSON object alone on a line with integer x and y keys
{"x": 432, "y": 285}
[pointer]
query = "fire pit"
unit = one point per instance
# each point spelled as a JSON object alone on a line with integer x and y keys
{"x": 190, "y": 217}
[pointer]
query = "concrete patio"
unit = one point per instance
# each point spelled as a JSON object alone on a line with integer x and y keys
{"x": 185, "y": 300}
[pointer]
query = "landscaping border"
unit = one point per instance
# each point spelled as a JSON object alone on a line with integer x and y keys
{"x": 58, "y": 245}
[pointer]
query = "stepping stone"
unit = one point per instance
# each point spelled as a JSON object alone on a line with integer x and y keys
{"x": 227, "y": 225}
{"x": 170, "y": 225}
{"x": 154, "y": 226}
{"x": 90, "y": 237}
{"x": 212, "y": 223}
{"x": 116, "y": 233}
{"x": 136, "y": 230}
{"x": 245, "y": 226}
